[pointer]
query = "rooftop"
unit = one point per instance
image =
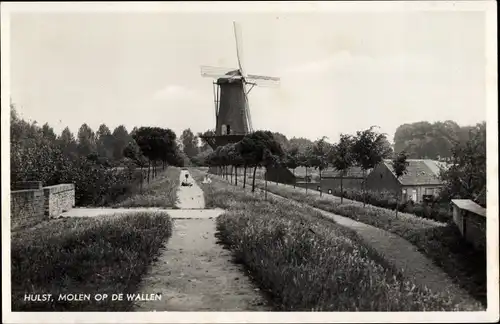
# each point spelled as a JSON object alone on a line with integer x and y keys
{"x": 419, "y": 172}
{"x": 354, "y": 172}
{"x": 469, "y": 205}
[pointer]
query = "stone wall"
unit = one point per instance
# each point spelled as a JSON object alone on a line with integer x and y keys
{"x": 26, "y": 208}
{"x": 58, "y": 199}
{"x": 25, "y": 185}
{"x": 31, "y": 204}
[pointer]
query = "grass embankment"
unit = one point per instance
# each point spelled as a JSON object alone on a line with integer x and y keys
{"x": 307, "y": 262}
{"x": 104, "y": 255}
{"x": 160, "y": 192}
{"x": 440, "y": 242}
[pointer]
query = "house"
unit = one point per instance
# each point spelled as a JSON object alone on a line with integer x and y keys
{"x": 470, "y": 219}
{"x": 291, "y": 176}
{"x": 351, "y": 179}
{"x": 420, "y": 183}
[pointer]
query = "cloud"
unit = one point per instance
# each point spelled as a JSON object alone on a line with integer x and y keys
{"x": 345, "y": 61}
{"x": 174, "y": 92}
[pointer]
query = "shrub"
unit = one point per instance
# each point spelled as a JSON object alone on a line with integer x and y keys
{"x": 85, "y": 255}
{"x": 440, "y": 242}
{"x": 434, "y": 210}
{"x": 161, "y": 192}
{"x": 307, "y": 262}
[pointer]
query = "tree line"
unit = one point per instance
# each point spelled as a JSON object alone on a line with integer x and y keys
{"x": 425, "y": 140}
{"x": 262, "y": 149}
{"x": 465, "y": 178}
{"x": 104, "y": 165}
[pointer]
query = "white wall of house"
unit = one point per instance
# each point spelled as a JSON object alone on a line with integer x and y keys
{"x": 416, "y": 193}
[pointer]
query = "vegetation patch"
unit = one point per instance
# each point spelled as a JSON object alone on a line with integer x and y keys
{"x": 435, "y": 211}
{"x": 307, "y": 262}
{"x": 105, "y": 255}
{"x": 441, "y": 242}
{"x": 161, "y": 192}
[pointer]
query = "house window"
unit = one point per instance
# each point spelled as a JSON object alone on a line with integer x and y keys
{"x": 381, "y": 176}
{"x": 428, "y": 195}
{"x": 414, "y": 195}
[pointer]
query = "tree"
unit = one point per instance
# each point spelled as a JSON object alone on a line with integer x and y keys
{"x": 282, "y": 140}
{"x": 232, "y": 158}
{"x": 302, "y": 144}
{"x": 305, "y": 160}
{"x": 86, "y": 140}
{"x": 430, "y": 140}
{"x": 157, "y": 144}
{"x": 399, "y": 164}
{"x": 121, "y": 138}
{"x": 105, "y": 142}
{"x": 368, "y": 150}
{"x": 255, "y": 147}
{"x": 189, "y": 143}
{"x": 201, "y": 159}
{"x": 133, "y": 152}
{"x": 342, "y": 159}
{"x": 271, "y": 159}
{"x": 319, "y": 155}
{"x": 48, "y": 133}
{"x": 466, "y": 177}
{"x": 67, "y": 143}
{"x": 204, "y": 144}
{"x": 292, "y": 160}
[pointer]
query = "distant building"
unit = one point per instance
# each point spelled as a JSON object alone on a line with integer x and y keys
{"x": 351, "y": 179}
{"x": 420, "y": 183}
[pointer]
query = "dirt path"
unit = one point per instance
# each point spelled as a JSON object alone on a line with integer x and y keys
{"x": 189, "y": 197}
{"x": 193, "y": 272}
{"x": 400, "y": 253}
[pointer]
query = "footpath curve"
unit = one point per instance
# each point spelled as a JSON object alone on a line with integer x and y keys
{"x": 193, "y": 271}
{"x": 398, "y": 252}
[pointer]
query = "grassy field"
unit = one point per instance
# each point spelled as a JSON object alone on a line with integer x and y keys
{"x": 160, "y": 192}
{"x": 85, "y": 256}
{"x": 306, "y": 262}
{"x": 440, "y": 242}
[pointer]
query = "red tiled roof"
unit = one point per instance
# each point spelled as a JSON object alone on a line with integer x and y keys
{"x": 419, "y": 172}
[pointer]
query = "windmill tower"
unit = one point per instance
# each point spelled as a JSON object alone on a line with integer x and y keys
{"x": 231, "y": 89}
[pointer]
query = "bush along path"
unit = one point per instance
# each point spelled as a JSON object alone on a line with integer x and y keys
{"x": 440, "y": 242}
{"x": 194, "y": 272}
{"x": 401, "y": 254}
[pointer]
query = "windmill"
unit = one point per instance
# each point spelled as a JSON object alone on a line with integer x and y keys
{"x": 230, "y": 90}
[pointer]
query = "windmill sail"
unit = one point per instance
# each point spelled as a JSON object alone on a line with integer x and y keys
{"x": 232, "y": 104}
{"x": 239, "y": 54}
{"x": 239, "y": 48}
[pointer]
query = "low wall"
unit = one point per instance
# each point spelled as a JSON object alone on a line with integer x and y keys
{"x": 26, "y": 208}
{"x": 476, "y": 230}
{"x": 25, "y": 185}
{"x": 470, "y": 219}
{"x": 308, "y": 185}
{"x": 31, "y": 204}
{"x": 347, "y": 183}
{"x": 58, "y": 199}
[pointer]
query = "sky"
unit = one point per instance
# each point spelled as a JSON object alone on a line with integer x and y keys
{"x": 340, "y": 72}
